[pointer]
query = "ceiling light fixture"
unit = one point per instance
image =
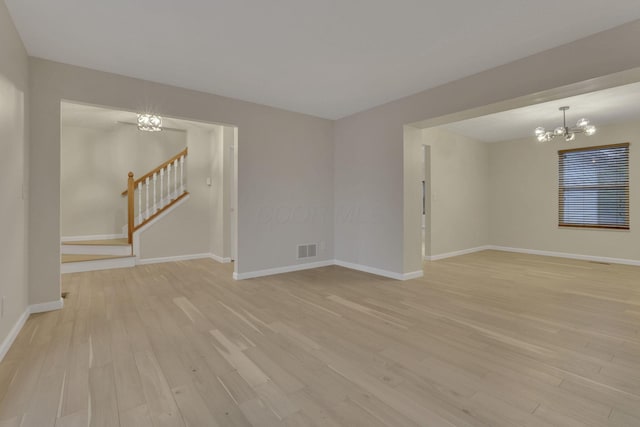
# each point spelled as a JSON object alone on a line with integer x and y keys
{"x": 569, "y": 134}
{"x": 149, "y": 122}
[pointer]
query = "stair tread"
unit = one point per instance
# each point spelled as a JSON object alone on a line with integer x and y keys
{"x": 107, "y": 242}
{"x": 83, "y": 257}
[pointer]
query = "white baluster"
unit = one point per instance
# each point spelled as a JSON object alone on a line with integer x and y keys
{"x": 169, "y": 182}
{"x": 155, "y": 204}
{"x": 146, "y": 184}
{"x": 139, "y": 202}
{"x": 175, "y": 177}
{"x": 161, "y": 188}
{"x": 181, "y": 174}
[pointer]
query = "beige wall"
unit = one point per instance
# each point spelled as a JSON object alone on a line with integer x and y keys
{"x": 285, "y": 164}
{"x": 459, "y": 192}
{"x": 369, "y": 146}
{"x": 415, "y": 171}
{"x": 187, "y": 230}
{"x": 457, "y": 174}
{"x": 221, "y": 169}
{"x": 296, "y": 172}
{"x": 94, "y": 167}
{"x": 13, "y": 174}
{"x": 524, "y": 197}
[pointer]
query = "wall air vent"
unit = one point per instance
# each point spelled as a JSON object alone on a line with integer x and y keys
{"x": 307, "y": 251}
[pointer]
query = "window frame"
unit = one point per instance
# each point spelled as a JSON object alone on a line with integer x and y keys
{"x": 562, "y": 189}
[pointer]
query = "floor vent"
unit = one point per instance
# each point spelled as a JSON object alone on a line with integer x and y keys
{"x": 307, "y": 251}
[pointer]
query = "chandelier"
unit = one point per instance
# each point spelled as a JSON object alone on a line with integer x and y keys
{"x": 569, "y": 134}
{"x": 149, "y": 122}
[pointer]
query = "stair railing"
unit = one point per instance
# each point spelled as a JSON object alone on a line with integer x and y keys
{"x": 168, "y": 178}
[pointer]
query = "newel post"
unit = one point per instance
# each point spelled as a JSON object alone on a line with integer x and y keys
{"x": 130, "y": 199}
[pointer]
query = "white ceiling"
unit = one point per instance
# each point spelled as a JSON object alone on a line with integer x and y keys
{"x": 616, "y": 105}
{"x": 329, "y": 58}
{"x": 88, "y": 116}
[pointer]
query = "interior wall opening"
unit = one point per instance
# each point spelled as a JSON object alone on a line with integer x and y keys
{"x": 184, "y": 189}
{"x": 494, "y": 185}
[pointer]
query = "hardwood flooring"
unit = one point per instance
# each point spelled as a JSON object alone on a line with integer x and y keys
{"x": 487, "y": 339}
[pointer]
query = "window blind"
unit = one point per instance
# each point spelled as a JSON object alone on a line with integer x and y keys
{"x": 594, "y": 187}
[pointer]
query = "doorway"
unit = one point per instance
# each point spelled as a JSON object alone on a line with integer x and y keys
{"x": 426, "y": 201}
{"x": 186, "y": 213}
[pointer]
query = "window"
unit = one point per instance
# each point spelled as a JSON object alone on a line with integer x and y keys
{"x": 594, "y": 187}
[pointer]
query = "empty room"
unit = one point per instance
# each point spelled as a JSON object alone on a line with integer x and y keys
{"x": 306, "y": 213}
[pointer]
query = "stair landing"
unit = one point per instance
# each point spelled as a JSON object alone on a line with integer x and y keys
{"x": 107, "y": 242}
{"x": 66, "y": 258}
{"x": 90, "y": 255}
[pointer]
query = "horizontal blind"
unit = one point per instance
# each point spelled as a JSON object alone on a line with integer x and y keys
{"x": 594, "y": 187}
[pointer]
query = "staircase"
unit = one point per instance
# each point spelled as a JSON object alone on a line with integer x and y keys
{"x": 89, "y": 255}
{"x": 149, "y": 198}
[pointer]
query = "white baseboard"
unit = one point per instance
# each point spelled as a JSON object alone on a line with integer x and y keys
{"x": 107, "y": 264}
{"x": 380, "y": 272}
{"x": 307, "y": 266}
{"x": 567, "y": 255}
{"x": 457, "y": 253}
{"x": 46, "y": 306}
{"x": 13, "y": 334}
{"x": 414, "y": 275}
{"x": 280, "y": 270}
{"x": 145, "y": 261}
{"x": 220, "y": 259}
{"x": 536, "y": 252}
{"x": 93, "y": 237}
{"x": 17, "y": 327}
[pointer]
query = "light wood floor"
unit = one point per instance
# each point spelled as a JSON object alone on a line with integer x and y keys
{"x": 491, "y": 339}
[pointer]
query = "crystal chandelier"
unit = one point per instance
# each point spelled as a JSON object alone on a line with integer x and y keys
{"x": 569, "y": 134}
{"x": 149, "y": 122}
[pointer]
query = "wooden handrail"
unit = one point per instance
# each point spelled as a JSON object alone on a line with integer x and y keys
{"x": 133, "y": 183}
{"x": 130, "y": 214}
{"x": 156, "y": 170}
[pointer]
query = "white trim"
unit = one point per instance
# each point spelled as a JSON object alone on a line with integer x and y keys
{"x": 17, "y": 327}
{"x": 13, "y": 334}
{"x": 220, "y": 259}
{"x": 280, "y": 270}
{"x": 379, "y": 272}
{"x": 172, "y": 258}
{"x": 46, "y": 306}
{"x": 567, "y": 255}
{"x": 92, "y": 237}
{"x": 120, "y": 250}
{"x": 414, "y": 275}
{"x": 98, "y": 264}
{"x": 536, "y": 252}
{"x": 307, "y": 266}
{"x": 457, "y": 253}
{"x": 148, "y": 212}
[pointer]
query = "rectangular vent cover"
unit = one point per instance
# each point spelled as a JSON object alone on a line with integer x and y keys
{"x": 307, "y": 251}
